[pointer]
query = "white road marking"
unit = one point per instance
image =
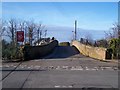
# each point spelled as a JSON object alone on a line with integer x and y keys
{"x": 102, "y": 69}
{"x": 93, "y": 69}
{"x": 57, "y": 86}
{"x": 29, "y": 67}
{"x": 36, "y": 60}
{"x": 115, "y": 68}
{"x": 7, "y": 66}
{"x": 70, "y": 86}
{"x": 96, "y": 68}
{"x": 22, "y": 67}
{"x": 86, "y": 68}
{"x": 64, "y": 67}
{"x": 77, "y": 68}
{"x": 108, "y": 67}
{"x": 37, "y": 67}
{"x": 64, "y": 86}
{"x": 51, "y": 67}
{"x": 12, "y": 65}
{"x": 58, "y": 67}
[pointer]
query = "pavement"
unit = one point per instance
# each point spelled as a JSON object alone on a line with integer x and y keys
{"x": 64, "y": 68}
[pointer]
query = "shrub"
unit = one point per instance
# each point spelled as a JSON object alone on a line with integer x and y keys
{"x": 109, "y": 53}
{"x": 10, "y": 52}
{"x": 114, "y": 44}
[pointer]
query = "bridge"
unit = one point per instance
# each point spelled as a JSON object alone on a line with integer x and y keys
{"x": 63, "y": 52}
{"x": 65, "y": 67}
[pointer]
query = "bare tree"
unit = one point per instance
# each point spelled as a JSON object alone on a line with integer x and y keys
{"x": 89, "y": 39}
{"x": 11, "y": 30}
{"x": 108, "y": 35}
{"x": 31, "y": 31}
{"x": 40, "y": 32}
{"x": 114, "y": 32}
{"x": 2, "y": 27}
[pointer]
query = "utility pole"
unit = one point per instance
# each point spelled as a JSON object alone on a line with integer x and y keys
{"x": 45, "y": 33}
{"x": 25, "y": 29}
{"x": 15, "y": 36}
{"x": 75, "y": 29}
{"x": 118, "y": 32}
{"x": 38, "y": 36}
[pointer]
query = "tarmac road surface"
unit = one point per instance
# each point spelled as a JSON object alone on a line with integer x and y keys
{"x": 64, "y": 68}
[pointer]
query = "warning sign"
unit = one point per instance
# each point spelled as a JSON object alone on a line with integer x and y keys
{"x": 20, "y": 36}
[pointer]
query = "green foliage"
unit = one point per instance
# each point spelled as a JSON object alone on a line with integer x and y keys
{"x": 64, "y": 44}
{"x": 10, "y": 52}
{"x": 114, "y": 44}
{"x": 109, "y": 53}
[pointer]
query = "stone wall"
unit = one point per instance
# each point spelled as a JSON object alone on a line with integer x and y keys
{"x": 94, "y": 52}
{"x": 36, "y": 52}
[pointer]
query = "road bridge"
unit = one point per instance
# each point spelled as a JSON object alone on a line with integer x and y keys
{"x": 63, "y": 52}
{"x": 65, "y": 67}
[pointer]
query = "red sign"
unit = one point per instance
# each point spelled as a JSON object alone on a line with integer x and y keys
{"x": 20, "y": 36}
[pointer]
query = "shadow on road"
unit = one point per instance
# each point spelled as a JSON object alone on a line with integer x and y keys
{"x": 63, "y": 52}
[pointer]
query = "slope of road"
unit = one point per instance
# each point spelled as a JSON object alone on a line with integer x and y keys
{"x": 63, "y": 52}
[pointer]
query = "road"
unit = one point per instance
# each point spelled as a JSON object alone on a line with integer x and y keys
{"x": 64, "y": 68}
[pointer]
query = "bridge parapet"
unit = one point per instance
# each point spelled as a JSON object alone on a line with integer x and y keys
{"x": 36, "y": 52}
{"x": 94, "y": 52}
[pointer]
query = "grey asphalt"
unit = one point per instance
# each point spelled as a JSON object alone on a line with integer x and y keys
{"x": 64, "y": 68}
{"x": 60, "y": 78}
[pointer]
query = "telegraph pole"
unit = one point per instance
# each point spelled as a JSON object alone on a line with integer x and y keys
{"x": 75, "y": 29}
{"x": 38, "y": 36}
